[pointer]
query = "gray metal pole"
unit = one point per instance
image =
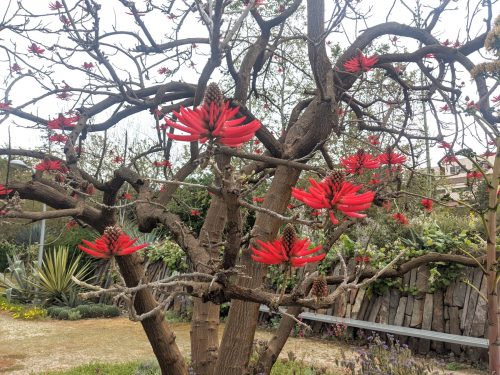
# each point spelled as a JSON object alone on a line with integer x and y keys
{"x": 42, "y": 239}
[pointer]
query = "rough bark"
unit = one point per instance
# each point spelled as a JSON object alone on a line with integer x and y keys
{"x": 160, "y": 336}
{"x": 491, "y": 267}
{"x": 205, "y": 319}
{"x": 236, "y": 346}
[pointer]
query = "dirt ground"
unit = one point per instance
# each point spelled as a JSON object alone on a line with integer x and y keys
{"x": 28, "y": 347}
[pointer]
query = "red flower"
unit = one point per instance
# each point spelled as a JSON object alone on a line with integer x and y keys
{"x": 112, "y": 243}
{"x": 118, "y": 159}
{"x": 390, "y": 157}
{"x": 258, "y": 199}
{"x": 444, "y": 145}
{"x": 374, "y": 140}
{"x": 195, "y": 213}
{"x": 427, "y": 204}
{"x": 58, "y": 138}
{"x": 474, "y": 175}
{"x": 430, "y": 56}
{"x": 288, "y": 249}
{"x": 65, "y": 95}
{"x": 164, "y": 163}
{"x": 15, "y": 68}
{"x": 496, "y": 99}
{"x": 62, "y": 122}
{"x": 457, "y": 44}
{"x": 4, "y": 190}
{"x": 357, "y": 163}
{"x": 375, "y": 179}
{"x": 65, "y": 20}
{"x": 362, "y": 259}
{"x": 88, "y": 66}
{"x": 71, "y": 224}
{"x": 449, "y": 159}
{"x": 399, "y": 217}
{"x": 213, "y": 122}
{"x": 446, "y": 43}
{"x": 4, "y": 106}
{"x": 163, "y": 70}
{"x": 335, "y": 193}
{"x": 126, "y": 196}
{"x": 51, "y": 165}
{"x": 35, "y": 49}
{"x": 471, "y": 106}
{"x": 316, "y": 213}
{"x": 56, "y": 6}
{"x": 444, "y": 108}
{"x": 360, "y": 63}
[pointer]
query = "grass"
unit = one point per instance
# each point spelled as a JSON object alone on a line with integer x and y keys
{"x": 151, "y": 368}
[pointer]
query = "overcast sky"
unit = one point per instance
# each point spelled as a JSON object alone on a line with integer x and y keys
{"x": 113, "y": 14}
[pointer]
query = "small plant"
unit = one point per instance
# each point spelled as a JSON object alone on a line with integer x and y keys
{"x": 83, "y": 311}
{"x": 385, "y": 358}
{"x": 23, "y": 312}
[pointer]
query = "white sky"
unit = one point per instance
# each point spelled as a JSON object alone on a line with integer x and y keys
{"x": 142, "y": 124}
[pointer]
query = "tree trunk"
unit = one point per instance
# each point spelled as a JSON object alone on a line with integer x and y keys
{"x": 278, "y": 340}
{"x": 160, "y": 336}
{"x": 491, "y": 267}
{"x": 205, "y": 320}
{"x": 236, "y": 346}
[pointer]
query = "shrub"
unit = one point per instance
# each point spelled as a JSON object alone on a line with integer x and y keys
{"x": 110, "y": 311}
{"x": 74, "y": 314}
{"x": 84, "y": 310}
{"x": 63, "y": 314}
{"x": 23, "y": 312}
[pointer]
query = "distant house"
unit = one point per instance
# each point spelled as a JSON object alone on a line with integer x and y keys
{"x": 454, "y": 181}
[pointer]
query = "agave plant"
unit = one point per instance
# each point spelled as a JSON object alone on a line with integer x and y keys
{"x": 17, "y": 282}
{"x": 53, "y": 278}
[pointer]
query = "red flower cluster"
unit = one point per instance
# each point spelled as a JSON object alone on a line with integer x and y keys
{"x": 163, "y": 70}
{"x": 62, "y": 122}
{"x": 444, "y": 108}
{"x": 374, "y": 140}
{"x": 362, "y": 259}
{"x": 4, "y": 190}
{"x": 489, "y": 153}
{"x": 58, "y": 138}
{"x": 496, "y": 99}
{"x": 258, "y": 199}
{"x": 65, "y": 20}
{"x": 335, "y": 193}
{"x": 88, "y": 66}
{"x": 71, "y": 224}
{"x": 213, "y": 122}
{"x": 4, "y": 106}
{"x": 390, "y": 157}
{"x": 16, "y": 68}
{"x": 400, "y": 218}
{"x": 56, "y": 6}
{"x": 126, "y": 196}
{"x": 444, "y": 145}
{"x": 118, "y": 159}
{"x": 427, "y": 204}
{"x": 449, "y": 159}
{"x": 474, "y": 175}
{"x": 112, "y": 243}
{"x": 357, "y": 163}
{"x": 164, "y": 163}
{"x": 288, "y": 249}
{"x": 35, "y": 49}
{"x": 195, "y": 212}
{"x": 360, "y": 63}
{"x": 50, "y": 166}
